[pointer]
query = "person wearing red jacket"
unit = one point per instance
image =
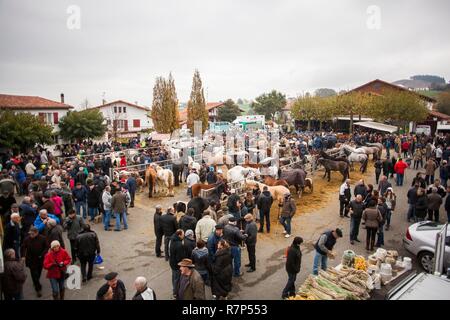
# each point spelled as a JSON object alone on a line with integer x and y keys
{"x": 405, "y": 148}
{"x": 55, "y": 262}
{"x": 123, "y": 161}
{"x": 399, "y": 169}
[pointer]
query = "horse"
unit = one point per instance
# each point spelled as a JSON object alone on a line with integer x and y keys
{"x": 150, "y": 180}
{"x": 165, "y": 180}
{"x": 219, "y": 188}
{"x": 325, "y": 155}
{"x": 277, "y": 192}
{"x": 376, "y": 145}
{"x": 239, "y": 173}
{"x": 330, "y": 165}
{"x": 270, "y": 181}
{"x": 353, "y": 157}
{"x": 294, "y": 177}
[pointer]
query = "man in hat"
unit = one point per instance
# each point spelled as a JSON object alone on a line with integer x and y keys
{"x": 213, "y": 240}
{"x": 251, "y": 230}
{"x": 287, "y": 212}
{"x": 190, "y": 285}
{"x": 117, "y": 286}
{"x": 324, "y": 249}
{"x": 234, "y": 237}
{"x": 177, "y": 252}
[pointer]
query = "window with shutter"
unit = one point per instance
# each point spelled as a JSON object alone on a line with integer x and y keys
{"x": 136, "y": 123}
{"x": 55, "y": 117}
{"x": 41, "y": 117}
{"x": 126, "y": 125}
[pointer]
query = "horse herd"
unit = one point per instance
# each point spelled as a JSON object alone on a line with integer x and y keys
{"x": 340, "y": 159}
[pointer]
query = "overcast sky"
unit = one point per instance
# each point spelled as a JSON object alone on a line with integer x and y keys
{"x": 242, "y": 48}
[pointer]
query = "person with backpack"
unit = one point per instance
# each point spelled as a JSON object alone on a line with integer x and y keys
{"x": 293, "y": 265}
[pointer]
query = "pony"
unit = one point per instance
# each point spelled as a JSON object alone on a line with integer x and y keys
{"x": 165, "y": 180}
{"x": 330, "y": 165}
{"x": 150, "y": 180}
{"x": 270, "y": 181}
{"x": 294, "y": 177}
{"x": 239, "y": 173}
{"x": 277, "y": 192}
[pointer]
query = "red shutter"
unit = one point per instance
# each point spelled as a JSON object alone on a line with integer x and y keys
{"x": 41, "y": 117}
{"x": 136, "y": 123}
{"x": 55, "y": 117}
{"x": 126, "y": 125}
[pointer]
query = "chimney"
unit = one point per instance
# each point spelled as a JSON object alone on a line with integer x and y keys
{"x": 62, "y": 97}
{"x": 103, "y": 101}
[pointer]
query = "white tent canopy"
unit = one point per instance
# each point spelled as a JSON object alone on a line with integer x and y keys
{"x": 377, "y": 126}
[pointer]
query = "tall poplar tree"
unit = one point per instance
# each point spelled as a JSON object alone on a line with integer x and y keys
{"x": 165, "y": 113}
{"x": 196, "y": 108}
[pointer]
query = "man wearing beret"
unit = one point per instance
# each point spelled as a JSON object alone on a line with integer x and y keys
{"x": 117, "y": 286}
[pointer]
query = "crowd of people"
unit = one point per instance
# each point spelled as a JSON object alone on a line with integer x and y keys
{"x": 201, "y": 241}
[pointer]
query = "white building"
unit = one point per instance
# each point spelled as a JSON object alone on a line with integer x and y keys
{"x": 48, "y": 111}
{"x": 126, "y": 119}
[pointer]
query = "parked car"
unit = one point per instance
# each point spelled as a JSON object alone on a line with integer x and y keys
{"x": 420, "y": 240}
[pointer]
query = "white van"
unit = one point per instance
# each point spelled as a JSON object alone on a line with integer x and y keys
{"x": 425, "y": 129}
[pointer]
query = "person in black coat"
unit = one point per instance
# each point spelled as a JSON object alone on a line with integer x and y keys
{"x": 176, "y": 254}
{"x": 93, "y": 201}
{"x": 33, "y": 249}
{"x": 87, "y": 247}
{"x": 222, "y": 271}
{"x": 251, "y": 230}
{"x": 447, "y": 204}
{"x": 189, "y": 242}
{"x": 188, "y": 221}
{"x": 159, "y": 232}
{"x": 168, "y": 224}
{"x": 199, "y": 205}
{"x": 264, "y": 203}
{"x": 13, "y": 235}
{"x": 421, "y": 205}
{"x": 293, "y": 264}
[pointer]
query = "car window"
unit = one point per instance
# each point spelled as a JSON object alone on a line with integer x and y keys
{"x": 429, "y": 226}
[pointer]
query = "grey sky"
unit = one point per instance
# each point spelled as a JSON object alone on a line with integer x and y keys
{"x": 242, "y": 48}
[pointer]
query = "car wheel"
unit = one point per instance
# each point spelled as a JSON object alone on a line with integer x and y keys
{"x": 426, "y": 260}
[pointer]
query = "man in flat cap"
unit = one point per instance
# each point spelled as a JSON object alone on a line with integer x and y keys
{"x": 117, "y": 286}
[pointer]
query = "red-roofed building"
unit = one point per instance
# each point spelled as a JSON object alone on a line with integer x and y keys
{"x": 211, "y": 107}
{"x": 127, "y": 119}
{"x": 49, "y": 111}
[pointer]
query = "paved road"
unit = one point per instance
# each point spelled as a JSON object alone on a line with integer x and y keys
{"x": 131, "y": 252}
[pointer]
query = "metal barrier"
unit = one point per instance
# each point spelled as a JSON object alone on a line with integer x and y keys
{"x": 141, "y": 168}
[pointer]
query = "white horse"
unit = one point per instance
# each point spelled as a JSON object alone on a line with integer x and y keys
{"x": 239, "y": 173}
{"x": 193, "y": 165}
{"x": 165, "y": 180}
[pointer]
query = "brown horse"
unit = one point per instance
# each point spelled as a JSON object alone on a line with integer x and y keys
{"x": 150, "y": 180}
{"x": 219, "y": 188}
{"x": 330, "y": 165}
{"x": 270, "y": 181}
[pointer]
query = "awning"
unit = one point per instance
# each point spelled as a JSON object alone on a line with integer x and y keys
{"x": 160, "y": 136}
{"x": 377, "y": 126}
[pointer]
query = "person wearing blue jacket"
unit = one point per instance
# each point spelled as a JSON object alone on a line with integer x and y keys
{"x": 132, "y": 185}
{"x": 213, "y": 240}
{"x": 79, "y": 195}
{"x": 42, "y": 219}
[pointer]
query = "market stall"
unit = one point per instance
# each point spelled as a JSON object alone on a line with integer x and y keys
{"x": 356, "y": 278}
